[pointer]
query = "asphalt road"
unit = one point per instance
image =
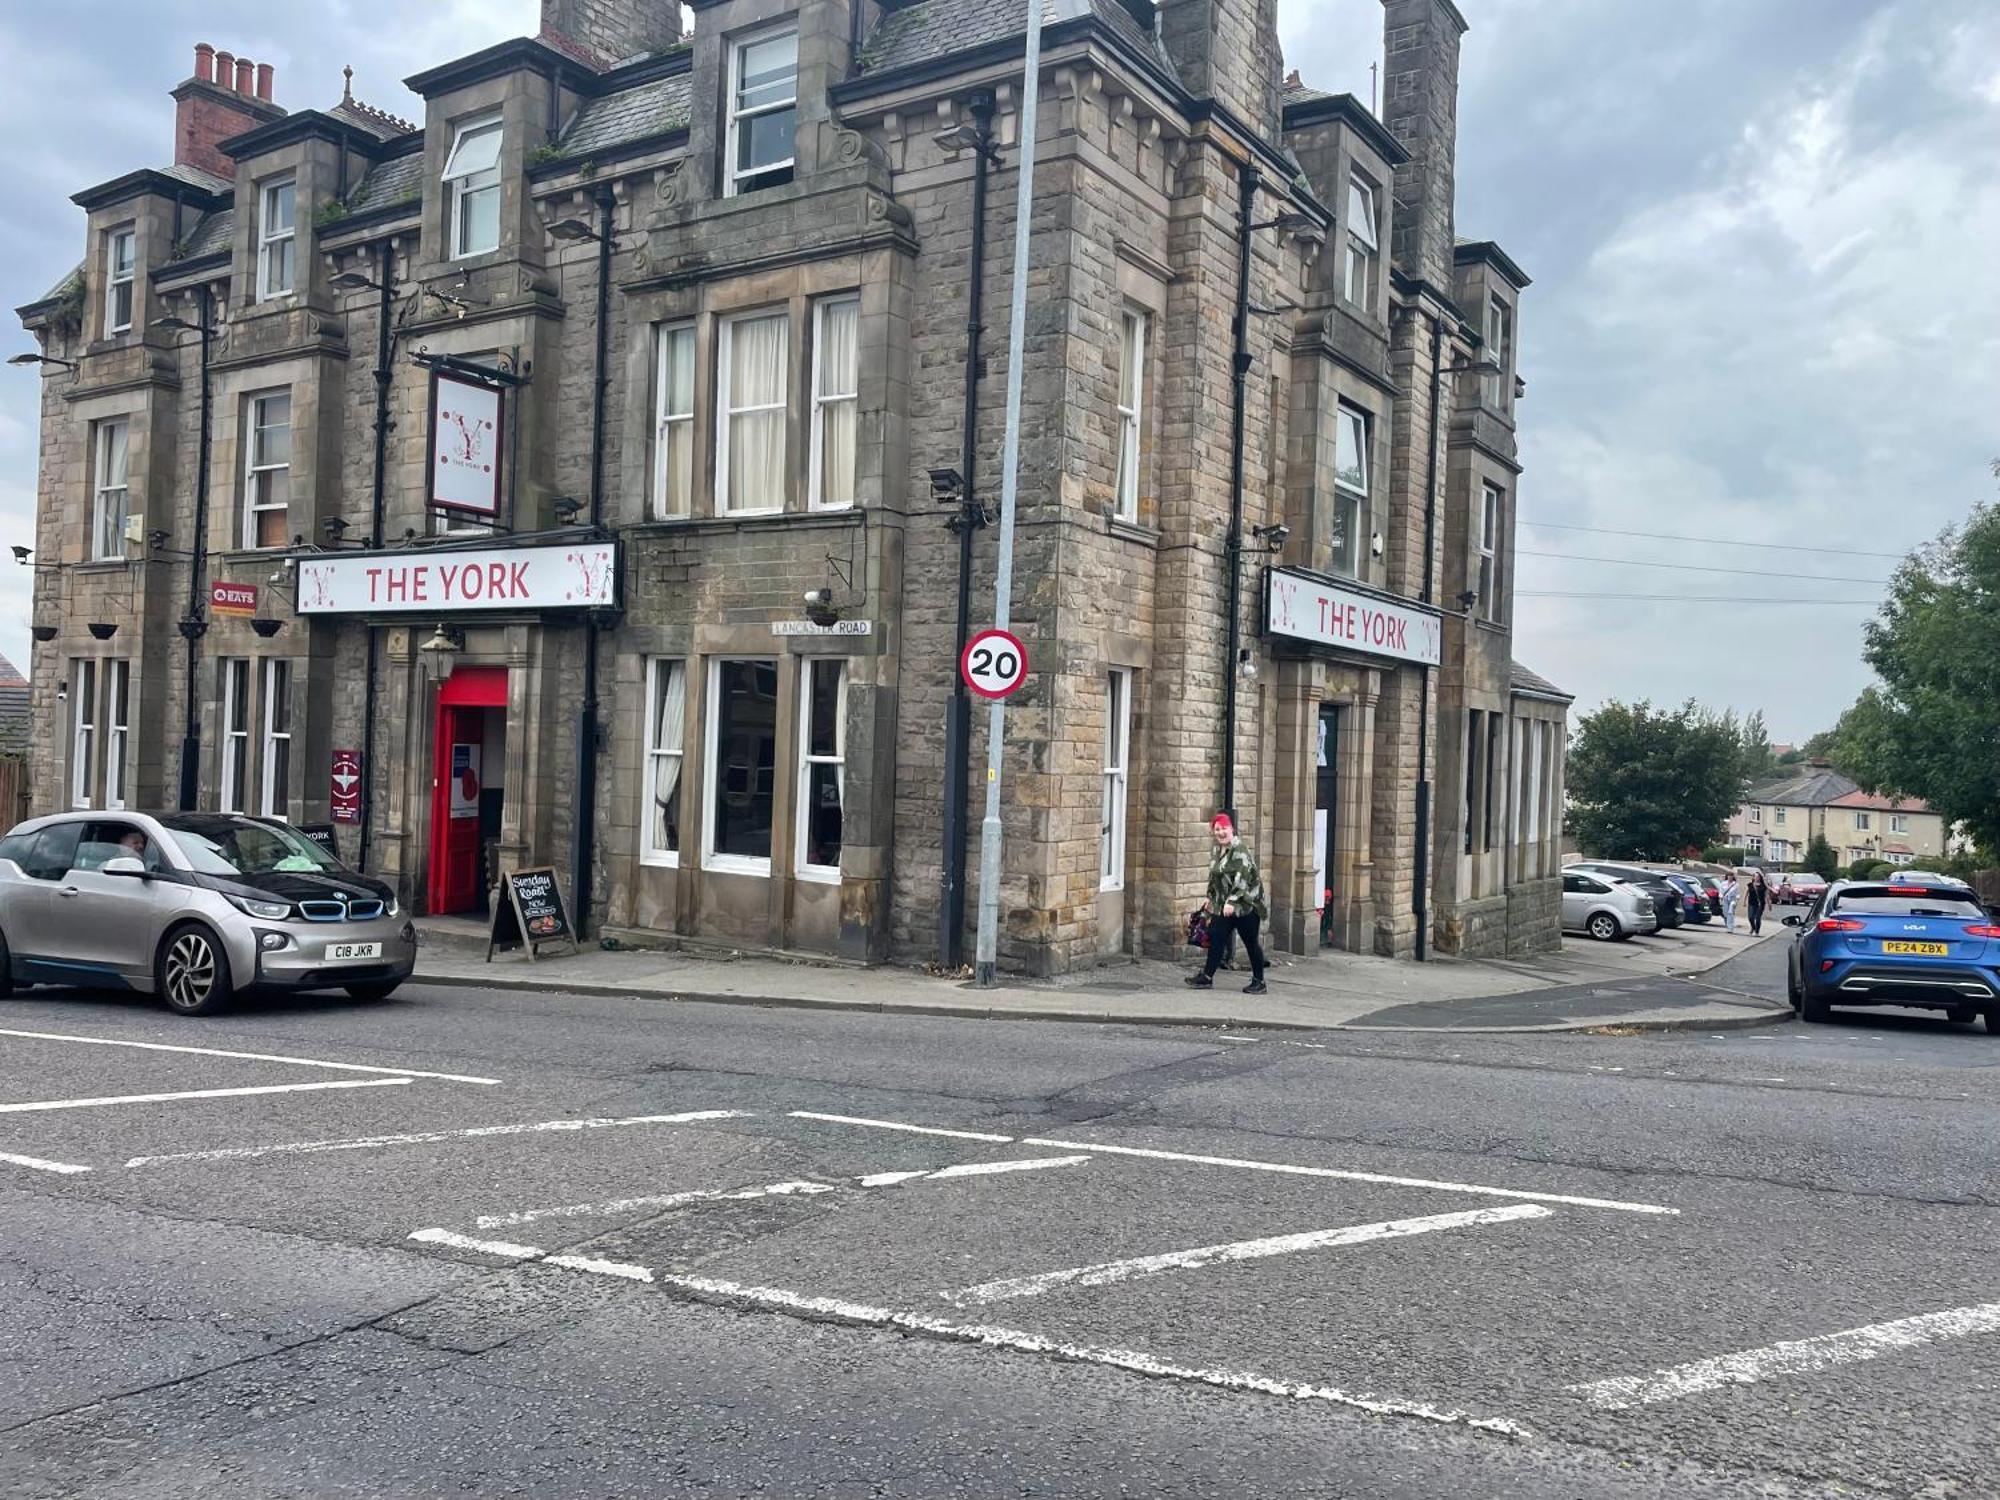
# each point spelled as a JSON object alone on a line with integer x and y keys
{"x": 504, "y": 1245}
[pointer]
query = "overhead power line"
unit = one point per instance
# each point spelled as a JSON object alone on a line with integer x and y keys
{"x": 1636, "y": 562}
{"x": 1713, "y": 541}
{"x": 1691, "y": 598}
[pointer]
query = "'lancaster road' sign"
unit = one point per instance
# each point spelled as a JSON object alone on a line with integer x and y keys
{"x": 575, "y": 575}
{"x": 1310, "y": 609}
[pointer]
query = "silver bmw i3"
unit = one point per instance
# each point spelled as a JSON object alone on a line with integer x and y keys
{"x": 196, "y": 908}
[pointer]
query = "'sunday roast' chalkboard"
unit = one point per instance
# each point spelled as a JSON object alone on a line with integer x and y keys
{"x": 528, "y": 911}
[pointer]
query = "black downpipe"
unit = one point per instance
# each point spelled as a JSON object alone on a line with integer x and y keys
{"x": 958, "y": 711}
{"x": 376, "y": 505}
{"x": 1420, "y": 900}
{"x": 586, "y": 723}
{"x": 1239, "y": 375}
{"x": 195, "y": 624}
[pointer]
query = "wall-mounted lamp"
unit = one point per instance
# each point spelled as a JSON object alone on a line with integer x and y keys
{"x": 1246, "y": 664}
{"x": 25, "y": 360}
{"x": 355, "y": 281}
{"x": 103, "y": 629}
{"x": 1375, "y": 544}
{"x": 573, "y": 230}
{"x": 1468, "y": 598}
{"x": 1273, "y": 536}
{"x": 22, "y": 554}
{"x": 62, "y": 691}
{"x": 565, "y": 508}
{"x": 947, "y": 486}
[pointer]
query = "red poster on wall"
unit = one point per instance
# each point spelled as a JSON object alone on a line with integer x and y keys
{"x": 346, "y": 786}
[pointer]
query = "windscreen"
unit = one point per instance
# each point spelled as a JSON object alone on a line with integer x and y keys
{"x": 241, "y": 846}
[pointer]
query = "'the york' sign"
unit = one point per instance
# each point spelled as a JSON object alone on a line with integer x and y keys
{"x": 575, "y": 575}
{"x": 1311, "y": 609}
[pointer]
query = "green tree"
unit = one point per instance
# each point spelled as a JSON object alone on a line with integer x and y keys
{"x": 1820, "y": 858}
{"x": 1931, "y": 728}
{"x": 1758, "y": 761}
{"x": 1650, "y": 784}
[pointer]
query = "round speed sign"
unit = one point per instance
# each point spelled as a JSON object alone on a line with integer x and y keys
{"x": 995, "y": 663}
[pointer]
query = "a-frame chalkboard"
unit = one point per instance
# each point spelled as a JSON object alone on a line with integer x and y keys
{"x": 529, "y": 912}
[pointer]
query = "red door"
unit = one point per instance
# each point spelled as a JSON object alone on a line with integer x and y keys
{"x": 455, "y": 784}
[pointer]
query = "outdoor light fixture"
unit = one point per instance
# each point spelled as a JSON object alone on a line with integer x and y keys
{"x": 947, "y": 486}
{"x": 22, "y": 554}
{"x": 1273, "y": 536}
{"x": 1469, "y": 598}
{"x": 62, "y": 691}
{"x": 1246, "y": 664}
{"x": 104, "y": 629}
{"x": 266, "y": 627}
{"x": 356, "y": 281}
{"x": 41, "y": 359}
{"x": 567, "y": 508}
{"x": 573, "y": 230}
{"x": 1375, "y": 545}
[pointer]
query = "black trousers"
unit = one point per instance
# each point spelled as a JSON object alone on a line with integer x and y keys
{"x": 1221, "y": 929}
{"x": 1756, "y": 917}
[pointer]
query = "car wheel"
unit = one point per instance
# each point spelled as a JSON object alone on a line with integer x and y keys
{"x": 6, "y": 968}
{"x": 1962, "y": 1014}
{"x": 1812, "y": 1008}
{"x": 1792, "y": 987}
{"x": 379, "y": 991}
{"x": 192, "y": 973}
{"x": 1603, "y": 926}
{"x": 1993, "y": 1022}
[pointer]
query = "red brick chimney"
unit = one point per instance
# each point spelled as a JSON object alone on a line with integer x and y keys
{"x": 226, "y": 96}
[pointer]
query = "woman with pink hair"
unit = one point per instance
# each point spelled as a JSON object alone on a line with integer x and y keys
{"x": 1235, "y": 904}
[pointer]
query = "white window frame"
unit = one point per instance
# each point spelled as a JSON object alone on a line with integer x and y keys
{"x": 253, "y": 424}
{"x": 83, "y": 732}
{"x": 1132, "y": 330}
{"x": 117, "y": 713}
{"x": 1756, "y": 814}
{"x": 235, "y": 732}
{"x": 1361, "y": 426}
{"x": 1778, "y": 815}
{"x": 823, "y": 400}
{"x": 1754, "y": 844}
{"x": 1117, "y": 779}
{"x": 725, "y": 413}
{"x": 116, "y": 319}
{"x": 670, "y": 422}
{"x": 1863, "y": 823}
{"x": 728, "y": 864}
{"x": 1499, "y": 347}
{"x": 1364, "y": 242}
{"x": 109, "y": 489}
{"x": 272, "y": 244}
{"x": 1899, "y": 823}
{"x": 275, "y": 799}
{"x": 828, "y": 874}
{"x": 657, "y": 668}
{"x": 732, "y": 175}
{"x": 1490, "y": 501}
{"x": 461, "y": 184}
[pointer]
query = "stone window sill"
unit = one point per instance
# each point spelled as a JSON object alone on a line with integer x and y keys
{"x": 1132, "y": 531}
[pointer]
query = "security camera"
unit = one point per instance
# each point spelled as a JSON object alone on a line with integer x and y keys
{"x": 1272, "y": 536}
{"x": 1375, "y": 544}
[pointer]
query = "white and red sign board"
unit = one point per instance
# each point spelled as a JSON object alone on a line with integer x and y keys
{"x": 465, "y": 446}
{"x": 346, "y": 786}
{"x": 581, "y": 575}
{"x": 233, "y": 598}
{"x": 1309, "y": 609}
{"x": 995, "y": 663}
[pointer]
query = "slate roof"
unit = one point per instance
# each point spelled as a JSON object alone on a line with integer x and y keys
{"x": 397, "y": 180}
{"x": 56, "y": 293}
{"x": 936, "y": 28}
{"x": 1813, "y": 788}
{"x": 211, "y": 236}
{"x": 1871, "y": 802}
{"x": 1521, "y": 680}
{"x": 645, "y": 109}
{"x": 377, "y": 122}
{"x": 196, "y": 177}
{"x": 16, "y": 713}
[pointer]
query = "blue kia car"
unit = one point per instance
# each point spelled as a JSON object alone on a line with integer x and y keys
{"x": 1926, "y": 944}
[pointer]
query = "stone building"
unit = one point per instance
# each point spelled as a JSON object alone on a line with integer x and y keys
{"x": 578, "y": 477}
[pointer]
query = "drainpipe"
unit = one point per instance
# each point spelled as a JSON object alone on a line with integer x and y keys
{"x": 1239, "y": 375}
{"x": 958, "y": 712}
{"x": 375, "y": 510}
{"x": 194, "y": 625}
{"x": 586, "y": 724}
{"x": 1420, "y": 901}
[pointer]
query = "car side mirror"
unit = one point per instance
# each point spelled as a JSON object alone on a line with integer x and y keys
{"x": 1795, "y": 921}
{"x": 126, "y": 865}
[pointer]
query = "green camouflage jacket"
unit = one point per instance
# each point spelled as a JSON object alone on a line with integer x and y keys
{"x": 1233, "y": 880}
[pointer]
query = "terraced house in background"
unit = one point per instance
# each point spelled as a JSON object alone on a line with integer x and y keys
{"x": 1779, "y": 818}
{"x": 587, "y": 475}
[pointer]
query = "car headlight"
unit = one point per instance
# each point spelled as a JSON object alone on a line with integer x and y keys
{"x": 394, "y": 908}
{"x": 270, "y": 911}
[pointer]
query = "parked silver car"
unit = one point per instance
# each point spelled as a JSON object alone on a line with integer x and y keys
{"x": 1607, "y": 908}
{"x": 193, "y": 907}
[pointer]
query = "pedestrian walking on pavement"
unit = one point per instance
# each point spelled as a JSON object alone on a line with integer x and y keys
{"x": 1759, "y": 896}
{"x": 1235, "y": 905}
{"x": 1731, "y": 894}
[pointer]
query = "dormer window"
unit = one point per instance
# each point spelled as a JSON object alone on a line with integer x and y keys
{"x": 472, "y": 188}
{"x": 1500, "y": 345}
{"x": 763, "y": 110}
{"x": 277, "y": 240}
{"x": 121, "y": 258}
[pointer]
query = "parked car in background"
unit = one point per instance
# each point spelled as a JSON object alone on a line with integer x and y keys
{"x": 1799, "y": 888}
{"x": 1668, "y": 902}
{"x": 1711, "y": 893}
{"x": 1609, "y": 909}
{"x": 1694, "y": 905}
{"x": 1929, "y": 945}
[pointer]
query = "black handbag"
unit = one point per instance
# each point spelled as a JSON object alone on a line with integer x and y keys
{"x": 1197, "y": 929}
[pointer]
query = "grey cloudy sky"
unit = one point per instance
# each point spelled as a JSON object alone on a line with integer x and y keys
{"x": 1761, "y": 233}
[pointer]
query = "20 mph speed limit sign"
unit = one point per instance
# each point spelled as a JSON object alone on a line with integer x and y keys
{"x": 994, "y": 664}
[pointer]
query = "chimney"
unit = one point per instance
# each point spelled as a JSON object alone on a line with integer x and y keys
{"x": 603, "y": 32}
{"x": 226, "y": 96}
{"x": 1420, "y": 107}
{"x": 1227, "y": 50}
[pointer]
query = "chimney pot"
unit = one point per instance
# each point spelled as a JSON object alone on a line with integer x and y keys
{"x": 204, "y": 62}
{"x": 246, "y": 76}
{"x": 264, "y": 82}
{"x": 225, "y": 69}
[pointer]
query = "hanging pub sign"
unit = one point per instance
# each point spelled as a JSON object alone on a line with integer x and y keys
{"x": 233, "y": 598}
{"x": 345, "y": 779}
{"x": 467, "y": 420}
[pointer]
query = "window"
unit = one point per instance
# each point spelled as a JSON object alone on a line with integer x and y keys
{"x": 235, "y": 732}
{"x": 121, "y": 258}
{"x": 751, "y": 453}
{"x": 1117, "y": 768}
{"x": 1862, "y": 822}
{"x": 1469, "y": 812}
{"x": 112, "y": 498}
{"x": 472, "y": 188}
{"x": 1755, "y": 845}
{"x": 1499, "y": 346}
{"x": 673, "y": 423}
{"x": 666, "y": 731}
{"x": 1898, "y": 823}
{"x": 117, "y": 729}
{"x": 277, "y": 738}
{"x": 763, "y": 111}
{"x": 1350, "y": 484}
{"x": 100, "y": 843}
{"x": 1131, "y": 387}
{"x": 1363, "y": 246}
{"x": 83, "y": 731}
{"x": 1756, "y": 814}
{"x": 822, "y": 766}
{"x": 836, "y": 330}
{"x": 277, "y": 240}
{"x": 1778, "y": 815}
{"x": 54, "y": 852}
{"x": 1489, "y": 540}
{"x": 742, "y": 764}
{"x": 268, "y": 470}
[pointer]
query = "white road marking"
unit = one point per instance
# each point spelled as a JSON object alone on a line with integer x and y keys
{"x": 268, "y": 1088}
{"x": 430, "y": 1137}
{"x": 778, "y": 1300}
{"x": 657, "y": 1200}
{"x": 1107, "y": 1272}
{"x": 1350, "y": 1176}
{"x": 1223, "y": 1036}
{"x": 989, "y": 1168}
{"x": 302, "y": 1062}
{"x": 39, "y": 1164}
{"x": 957, "y": 1135}
{"x": 1795, "y": 1357}
{"x": 890, "y": 1179}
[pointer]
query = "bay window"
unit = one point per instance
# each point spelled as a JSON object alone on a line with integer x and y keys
{"x": 742, "y": 765}
{"x": 751, "y": 373}
{"x": 267, "y": 470}
{"x": 472, "y": 187}
{"x": 277, "y": 239}
{"x": 673, "y": 422}
{"x": 835, "y": 386}
{"x": 822, "y": 766}
{"x": 121, "y": 261}
{"x": 111, "y": 497}
{"x": 666, "y": 728}
{"x": 1363, "y": 244}
{"x": 763, "y": 111}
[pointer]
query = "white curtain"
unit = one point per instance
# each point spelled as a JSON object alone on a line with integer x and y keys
{"x": 757, "y": 413}
{"x": 669, "y": 726}
{"x": 839, "y": 323}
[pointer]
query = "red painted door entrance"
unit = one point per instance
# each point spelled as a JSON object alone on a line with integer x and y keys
{"x": 456, "y": 779}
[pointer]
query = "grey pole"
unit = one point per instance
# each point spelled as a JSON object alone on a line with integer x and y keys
{"x": 1010, "y": 473}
